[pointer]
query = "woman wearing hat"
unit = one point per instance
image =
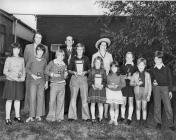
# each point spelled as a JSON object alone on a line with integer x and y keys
{"x": 102, "y": 45}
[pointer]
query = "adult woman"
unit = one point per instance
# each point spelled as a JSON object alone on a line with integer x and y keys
{"x": 102, "y": 45}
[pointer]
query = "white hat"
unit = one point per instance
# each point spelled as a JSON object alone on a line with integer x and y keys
{"x": 107, "y": 40}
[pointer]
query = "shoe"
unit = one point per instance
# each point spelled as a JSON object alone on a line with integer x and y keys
{"x": 94, "y": 120}
{"x": 111, "y": 122}
{"x": 86, "y": 120}
{"x": 158, "y": 126}
{"x": 128, "y": 122}
{"x": 115, "y": 123}
{"x": 18, "y": 119}
{"x": 30, "y": 119}
{"x": 172, "y": 128}
{"x": 71, "y": 120}
{"x": 8, "y": 122}
{"x": 38, "y": 119}
{"x": 99, "y": 120}
{"x": 59, "y": 120}
{"x": 122, "y": 119}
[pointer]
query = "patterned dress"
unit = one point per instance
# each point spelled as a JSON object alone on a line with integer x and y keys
{"x": 97, "y": 95}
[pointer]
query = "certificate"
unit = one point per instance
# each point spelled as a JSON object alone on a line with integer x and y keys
{"x": 98, "y": 80}
{"x": 79, "y": 67}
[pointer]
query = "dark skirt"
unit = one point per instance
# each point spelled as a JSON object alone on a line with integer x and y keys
{"x": 96, "y": 96}
{"x": 13, "y": 90}
{"x": 128, "y": 91}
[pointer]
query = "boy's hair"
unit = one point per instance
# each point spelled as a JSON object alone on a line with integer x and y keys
{"x": 124, "y": 60}
{"x": 41, "y": 47}
{"x": 159, "y": 54}
{"x": 142, "y": 60}
{"x": 81, "y": 45}
{"x": 15, "y": 45}
{"x": 116, "y": 64}
{"x": 36, "y": 34}
{"x": 101, "y": 60}
{"x": 60, "y": 51}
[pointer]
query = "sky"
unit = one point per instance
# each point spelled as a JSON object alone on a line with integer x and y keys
{"x": 49, "y": 7}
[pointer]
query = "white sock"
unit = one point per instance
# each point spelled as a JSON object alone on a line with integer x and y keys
{"x": 92, "y": 109}
{"x": 100, "y": 108}
{"x": 130, "y": 112}
{"x": 17, "y": 108}
{"x": 8, "y": 108}
{"x": 123, "y": 109}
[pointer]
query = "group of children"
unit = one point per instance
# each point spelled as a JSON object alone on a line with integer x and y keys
{"x": 122, "y": 84}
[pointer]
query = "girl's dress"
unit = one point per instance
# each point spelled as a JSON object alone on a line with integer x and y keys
{"x": 97, "y": 95}
{"x": 114, "y": 95}
{"x": 128, "y": 69}
{"x": 14, "y": 68}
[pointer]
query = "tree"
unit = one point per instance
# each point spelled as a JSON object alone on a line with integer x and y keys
{"x": 150, "y": 26}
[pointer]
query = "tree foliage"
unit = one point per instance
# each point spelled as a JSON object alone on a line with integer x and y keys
{"x": 150, "y": 25}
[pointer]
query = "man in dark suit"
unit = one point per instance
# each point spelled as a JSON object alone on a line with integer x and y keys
{"x": 30, "y": 53}
{"x": 69, "y": 53}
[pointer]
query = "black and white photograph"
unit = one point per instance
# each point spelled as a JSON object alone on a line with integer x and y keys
{"x": 87, "y": 70}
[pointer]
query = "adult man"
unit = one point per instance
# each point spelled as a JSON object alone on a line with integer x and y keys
{"x": 30, "y": 53}
{"x": 69, "y": 53}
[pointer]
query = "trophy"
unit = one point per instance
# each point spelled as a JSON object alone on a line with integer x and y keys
{"x": 79, "y": 67}
{"x": 98, "y": 80}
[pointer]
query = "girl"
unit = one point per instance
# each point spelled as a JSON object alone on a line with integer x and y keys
{"x": 14, "y": 70}
{"x": 113, "y": 91}
{"x": 57, "y": 70}
{"x": 127, "y": 70}
{"x": 97, "y": 82}
{"x": 102, "y": 46}
{"x": 38, "y": 83}
{"x": 142, "y": 88}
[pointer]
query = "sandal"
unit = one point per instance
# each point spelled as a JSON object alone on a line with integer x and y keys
{"x": 18, "y": 119}
{"x": 8, "y": 122}
{"x": 38, "y": 119}
{"x": 30, "y": 119}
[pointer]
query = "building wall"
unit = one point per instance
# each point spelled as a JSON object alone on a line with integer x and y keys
{"x": 8, "y": 24}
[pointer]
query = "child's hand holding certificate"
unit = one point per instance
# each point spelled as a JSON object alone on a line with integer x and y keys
{"x": 79, "y": 67}
{"x": 98, "y": 81}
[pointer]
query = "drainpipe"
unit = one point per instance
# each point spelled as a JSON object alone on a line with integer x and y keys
{"x": 14, "y": 30}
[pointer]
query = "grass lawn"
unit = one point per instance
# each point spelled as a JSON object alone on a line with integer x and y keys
{"x": 80, "y": 130}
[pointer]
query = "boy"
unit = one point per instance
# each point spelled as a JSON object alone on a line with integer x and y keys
{"x": 142, "y": 89}
{"x": 162, "y": 86}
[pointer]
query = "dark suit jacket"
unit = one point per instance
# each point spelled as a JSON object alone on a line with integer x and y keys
{"x": 73, "y": 53}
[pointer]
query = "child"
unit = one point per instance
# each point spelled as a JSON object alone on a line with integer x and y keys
{"x": 79, "y": 67}
{"x": 57, "y": 70}
{"x": 142, "y": 88}
{"x": 97, "y": 82}
{"x": 162, "y": 87}
{"x": 14, "y": 70}
{"x": 113, "y": 91}
{"x": 38, "y": 83}
{"x": 128, "y": 69}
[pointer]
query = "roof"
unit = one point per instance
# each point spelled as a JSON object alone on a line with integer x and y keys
{"x": 13, "y": 18}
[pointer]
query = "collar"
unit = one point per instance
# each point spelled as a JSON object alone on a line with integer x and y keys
{"x": 132, "y": 63}
{"x": 61, "y": 63}
{"x": 159, "y": 66}
{"x": 69, "y": 48}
